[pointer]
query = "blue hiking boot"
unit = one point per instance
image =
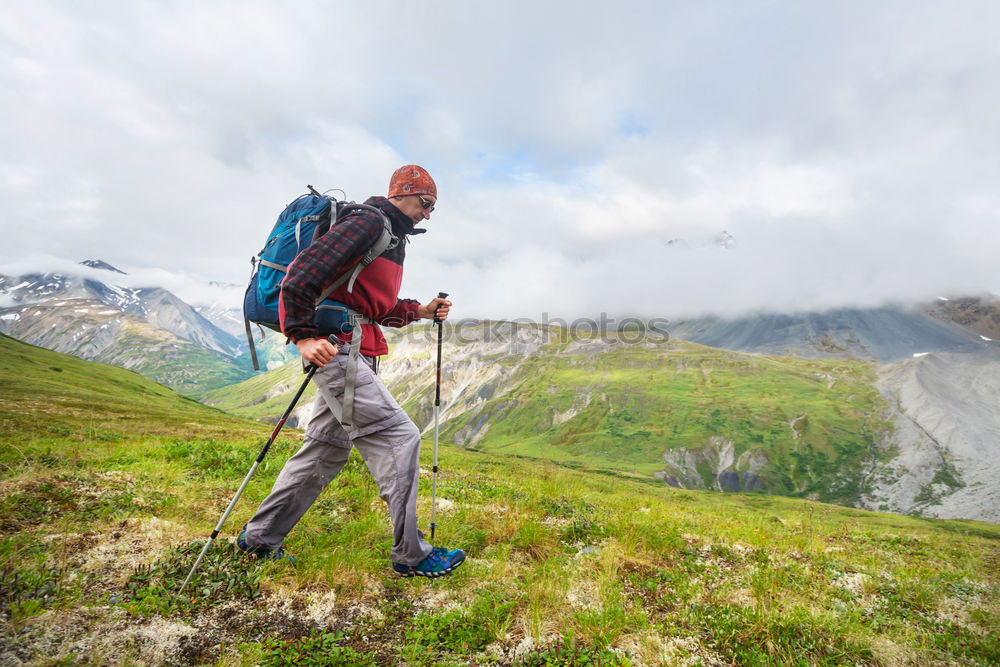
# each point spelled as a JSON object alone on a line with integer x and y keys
{"x": 438, "y": 563}
{"x": 260, "y": 552}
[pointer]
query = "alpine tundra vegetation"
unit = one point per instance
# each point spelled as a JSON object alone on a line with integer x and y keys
{"x": 110, "y": 483}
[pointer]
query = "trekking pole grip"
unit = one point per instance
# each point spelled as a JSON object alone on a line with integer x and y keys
{"x": 311, "y": 368}
{"x": 441, "y": 295}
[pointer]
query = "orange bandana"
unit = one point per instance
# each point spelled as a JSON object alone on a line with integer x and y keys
{"x": 411, "y": 180}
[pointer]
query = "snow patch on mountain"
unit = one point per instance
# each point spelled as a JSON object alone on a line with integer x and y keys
{"x": 224, "y": 315}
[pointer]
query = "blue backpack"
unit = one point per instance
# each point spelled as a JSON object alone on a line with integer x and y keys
{"x": 303, "y": 221}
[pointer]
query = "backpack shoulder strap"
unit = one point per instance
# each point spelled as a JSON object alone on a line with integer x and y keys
{"x": 385, "y": 241}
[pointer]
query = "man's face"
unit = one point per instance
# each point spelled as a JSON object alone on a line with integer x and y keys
{"x": 416, "y": 207}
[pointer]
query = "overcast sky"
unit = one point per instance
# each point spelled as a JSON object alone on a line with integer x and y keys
{"x": 852, "y": 149}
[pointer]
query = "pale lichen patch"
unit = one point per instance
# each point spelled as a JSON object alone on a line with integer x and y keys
{"x": 652, "y": 648}
{"x": 856, "y": 583}
{"x": 138, "y": 542}
{"x": 321, "y": 607}
{"x": 585, "y": 595}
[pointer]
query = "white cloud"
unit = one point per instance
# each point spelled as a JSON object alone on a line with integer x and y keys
{"x": 851, "y": 150}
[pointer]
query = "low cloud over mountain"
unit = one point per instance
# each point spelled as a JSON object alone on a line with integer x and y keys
{"x": 853, "y": 157}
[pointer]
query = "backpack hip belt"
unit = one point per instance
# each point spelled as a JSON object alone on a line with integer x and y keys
{"x": 356, "y": 319}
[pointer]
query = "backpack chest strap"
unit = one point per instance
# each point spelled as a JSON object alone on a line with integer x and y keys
{"x": 277, "y": 267}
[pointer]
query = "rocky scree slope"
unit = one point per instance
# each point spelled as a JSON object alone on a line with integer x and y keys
{"x": 945, "y": 448}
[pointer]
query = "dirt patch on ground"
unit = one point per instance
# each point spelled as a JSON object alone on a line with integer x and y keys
{"x": 644, "y": 583}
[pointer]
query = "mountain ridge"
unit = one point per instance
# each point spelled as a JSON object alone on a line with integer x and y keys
{"x": 95, "y": 331}
{"x": 886, "y": 334}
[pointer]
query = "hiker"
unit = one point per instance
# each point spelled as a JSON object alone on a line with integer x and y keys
{"x": 355, "y": 409}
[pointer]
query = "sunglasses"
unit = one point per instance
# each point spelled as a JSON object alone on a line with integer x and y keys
{"x": 428, "y": 206}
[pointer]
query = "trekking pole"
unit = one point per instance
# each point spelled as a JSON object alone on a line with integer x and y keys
{"x": 310, "y": 371}
{"x": 437, "y": 409}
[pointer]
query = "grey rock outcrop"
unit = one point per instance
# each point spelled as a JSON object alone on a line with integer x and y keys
{"x": 727, "y": 472}
{"x": 479, "y": 363}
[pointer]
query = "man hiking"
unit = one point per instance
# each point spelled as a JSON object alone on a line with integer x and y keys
{"x": 353, "y": 407}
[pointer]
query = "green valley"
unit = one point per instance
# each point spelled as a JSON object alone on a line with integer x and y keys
{"x": 696, "y": 416}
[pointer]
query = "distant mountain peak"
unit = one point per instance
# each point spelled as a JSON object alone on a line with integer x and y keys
{"x": 723, "y": 240}
{"x": 101, "y": 264}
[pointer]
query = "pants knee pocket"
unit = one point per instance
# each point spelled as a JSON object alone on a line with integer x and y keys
{"x": 329, "y": 439}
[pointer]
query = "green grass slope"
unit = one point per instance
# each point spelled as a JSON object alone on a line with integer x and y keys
{"x": 109, "y": 483}
{"x": 263, "y": 396}
{"x": 47, "y": 395}
{"x": 811, "y": 420}
{"x": 180, "y": 364}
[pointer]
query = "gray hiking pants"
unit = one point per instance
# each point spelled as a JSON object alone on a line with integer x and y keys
{"x": 385, "y": 437}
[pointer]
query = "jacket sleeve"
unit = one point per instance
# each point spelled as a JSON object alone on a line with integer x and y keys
{"x": 403, "y": 313}
{"x": 318, "y": 266}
